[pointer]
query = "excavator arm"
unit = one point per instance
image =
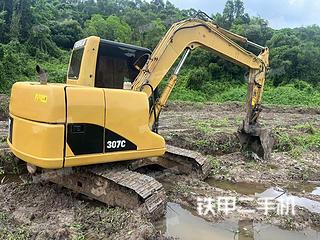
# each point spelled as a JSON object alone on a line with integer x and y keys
{"x": 189, "y": 34}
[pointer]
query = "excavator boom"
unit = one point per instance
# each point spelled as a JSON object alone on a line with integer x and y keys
{"x": 189, "y": 34}
{"x": 193, "y": 33}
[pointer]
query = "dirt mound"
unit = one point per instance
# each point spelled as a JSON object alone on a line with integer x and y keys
{"x": 46, "y": 211}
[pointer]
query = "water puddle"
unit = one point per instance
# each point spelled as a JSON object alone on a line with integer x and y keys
{"x": 254, "y": 188}
{"x": 302, "y": 187}
{"x": 184, "y": 224}
{"x": 262, "y": 190}
{"x": 279, "y": 194}
{"x": 239, "y": 187}
{"x": 316, "y": 191}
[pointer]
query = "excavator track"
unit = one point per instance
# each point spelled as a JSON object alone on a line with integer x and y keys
{"x": 198, "y": 163}
{"x": 179, "y": 161}
{"x": 117, "y": 184}
{"x": 114, "y": 185}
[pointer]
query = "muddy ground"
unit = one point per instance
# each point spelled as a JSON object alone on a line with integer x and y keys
{"x": 45, "y": 211}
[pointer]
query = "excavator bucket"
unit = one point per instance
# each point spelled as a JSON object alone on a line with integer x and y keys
{"x": 257, "y": 140}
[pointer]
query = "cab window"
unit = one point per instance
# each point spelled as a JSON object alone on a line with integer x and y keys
{"x": 75, "y": 64}
{"x": 115, "y": 64}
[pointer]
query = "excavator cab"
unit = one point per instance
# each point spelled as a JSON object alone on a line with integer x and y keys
{"x": 117, "y": 64}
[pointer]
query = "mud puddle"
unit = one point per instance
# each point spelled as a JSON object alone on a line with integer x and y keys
{"x": 184, "y": 224}
{"x": 255, "y": 188}
{"x": 316, "y": 191}
{"x": 265, "y": 191}
{"x": 281, "y": 195}
{"x": 239, "y": 187}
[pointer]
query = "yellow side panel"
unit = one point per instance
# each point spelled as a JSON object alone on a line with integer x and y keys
{"x": 127, "y": 114}
{"x": 37, "y": 143}
{"x": 42, "y": 103}
{"x": 85, "y": 105}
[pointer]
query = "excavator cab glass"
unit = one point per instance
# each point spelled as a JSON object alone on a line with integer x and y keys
{"x": 75, "y": 64}
{"x": 116, "y": 63}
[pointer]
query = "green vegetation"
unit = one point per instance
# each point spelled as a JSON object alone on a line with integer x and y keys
{"x": 9, "y": 164}
{"x": 306, "y": 137}
{"x": 44, "y": 31}
{"x": 211, "y": 125}
{"x": 215, "y": 164}
{"x": 297, "y": 93}
{"x": 8, "y": 231}
{"x": 102, "y": 222}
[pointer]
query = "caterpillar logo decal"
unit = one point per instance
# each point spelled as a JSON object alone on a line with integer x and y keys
{"x": 41, "y": 98}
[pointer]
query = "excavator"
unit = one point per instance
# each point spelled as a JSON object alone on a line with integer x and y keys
{"x": 95, "y": 132}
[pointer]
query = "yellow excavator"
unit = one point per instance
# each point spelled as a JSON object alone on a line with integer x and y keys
{"x": 93, "y": 132}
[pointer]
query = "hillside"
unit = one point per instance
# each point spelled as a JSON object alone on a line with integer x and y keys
{"x": 43, "y": 31}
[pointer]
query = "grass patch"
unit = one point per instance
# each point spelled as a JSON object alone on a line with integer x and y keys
{"x": 9, "y": 164}
{"x": 210, "y": 125}
{"x": 4, "y": 108}
{"x": 9, "y": 231}
{"x": 298, "y": 142}
{"x": 79, "y": 231}
{"x": 98, "y": 221}
{"x": 213, "y": 91}
{"x": 215, "y": 165}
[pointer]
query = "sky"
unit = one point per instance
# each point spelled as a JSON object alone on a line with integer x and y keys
{"x": 279, "y": 13}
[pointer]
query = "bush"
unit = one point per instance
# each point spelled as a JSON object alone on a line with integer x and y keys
{"x": 193, "y": 86}
{"x": 197, "y": 78}
{"x": 16, "y": 64}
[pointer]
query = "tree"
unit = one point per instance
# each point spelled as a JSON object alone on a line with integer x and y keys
{"x": 111, "y": 28}
{"x": 118, "y": 30}
{"x": 139, "y": 24}
{"x": 232, "y": 12}
{"x": 228, "y": 13}
{"x": 22, "y": 20}
{"x": 154, "y": 34}
{"x": 6, "y": 7}
{"x": 197, "y": 78}
{"x": 2, "y": 19}
{"x": 238, "y": 8}
{"x": 95, "y": 26}
{"x": 40, "y": 41}
{"x": 157, "y": 5}
{"x": 40, "y": 28}
{"x": 65, "y": 33}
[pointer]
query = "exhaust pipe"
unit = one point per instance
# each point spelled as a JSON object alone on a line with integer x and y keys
{"x": 43, "y": 76}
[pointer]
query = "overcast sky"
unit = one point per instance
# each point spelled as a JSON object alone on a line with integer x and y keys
{"x": 279, "y": 13}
